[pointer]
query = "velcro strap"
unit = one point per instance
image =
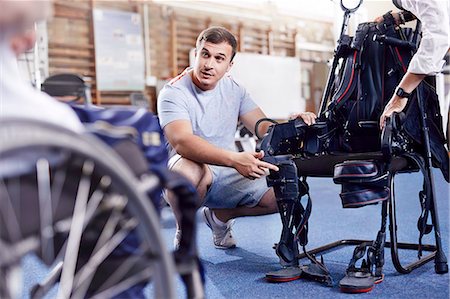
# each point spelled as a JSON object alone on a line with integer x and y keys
{"x": 358, "y": 197}
{"x": 359, "y": 171}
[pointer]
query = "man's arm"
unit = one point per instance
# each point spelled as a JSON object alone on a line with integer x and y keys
{"x": 249, "y": 120}
{"x": 396, "y": 104}
{"x": 179, "y": 134}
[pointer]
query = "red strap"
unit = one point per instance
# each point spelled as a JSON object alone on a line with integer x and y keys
{"x": 351, "y": 79}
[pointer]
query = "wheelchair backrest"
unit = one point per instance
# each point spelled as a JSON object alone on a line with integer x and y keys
{"x": 67, "y": 85}
{"x": 116, "y": 124}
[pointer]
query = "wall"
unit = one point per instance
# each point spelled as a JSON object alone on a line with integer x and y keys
{"x": 171, "y": 33}
{"x": 272, "y": 81}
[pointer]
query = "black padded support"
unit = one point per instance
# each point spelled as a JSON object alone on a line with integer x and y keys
{"x": 323, "y": 165}
{"x": 285, "y": 184}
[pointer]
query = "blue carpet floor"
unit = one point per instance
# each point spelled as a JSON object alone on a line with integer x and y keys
{"x": 239, "y": 272}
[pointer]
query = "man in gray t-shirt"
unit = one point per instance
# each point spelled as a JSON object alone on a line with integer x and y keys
{"x": 199, "y": 111}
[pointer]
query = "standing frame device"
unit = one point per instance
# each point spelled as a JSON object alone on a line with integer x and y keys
{"x": 346, "y": 144}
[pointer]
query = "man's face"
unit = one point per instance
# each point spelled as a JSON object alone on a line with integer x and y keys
{"x": 212, "y": 61}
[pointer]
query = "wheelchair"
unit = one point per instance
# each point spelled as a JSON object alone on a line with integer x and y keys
{"x": 73, "y": 202}
{"x": 347, "y": 145}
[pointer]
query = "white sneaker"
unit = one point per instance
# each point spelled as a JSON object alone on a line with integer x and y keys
{"x": 222, "y": 237}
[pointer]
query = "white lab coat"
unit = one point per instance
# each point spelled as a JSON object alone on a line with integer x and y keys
{"x": 434, "y": 16}
{"x": 18, "y": 99}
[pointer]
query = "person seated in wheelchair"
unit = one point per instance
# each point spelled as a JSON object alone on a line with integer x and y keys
{"x": 20, "y": 101}
{"x": 18, "y": 98}
{"x": 199, "y": 112}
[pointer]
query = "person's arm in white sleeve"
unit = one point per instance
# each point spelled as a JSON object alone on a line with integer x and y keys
{"x": 434, "y": 16}
{"x": 428, "y": 60}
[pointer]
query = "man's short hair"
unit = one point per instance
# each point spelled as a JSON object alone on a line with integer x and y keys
{"x": 217, "y": 35}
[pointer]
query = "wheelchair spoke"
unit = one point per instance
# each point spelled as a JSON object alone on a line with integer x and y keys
{"x": 106, "y": 234}
{"x": 63, "y": 226}
{"x": 96, "y": 198}
{"x": 57, "y": 187}
{"x": 14, "y": 187}
{"x": 45, "y": 209}
{"x": 124, "y": 285}
{"x": 98, "y": 257}
{"x": 91, "y": 209}
{"x": 108, "y": 230}
{"x": 42, "y": 288}
{"x": 7, "y": 212}
{"x": 76, "y": 229}
{"x": 138, "y": 259}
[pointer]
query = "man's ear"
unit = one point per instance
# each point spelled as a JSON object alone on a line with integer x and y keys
{"x": 230, "y": 65}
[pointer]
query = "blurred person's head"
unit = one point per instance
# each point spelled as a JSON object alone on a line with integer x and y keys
{"x": 16, "y": 16}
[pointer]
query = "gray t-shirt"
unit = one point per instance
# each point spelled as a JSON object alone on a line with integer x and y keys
{"x": 213, "y": 113}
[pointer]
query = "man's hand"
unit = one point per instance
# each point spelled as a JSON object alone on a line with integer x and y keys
{"x": 23, "y": 42}
{"x": 249, "y": 164}
{"x": 395, "y": 104}
{"x": 308, "y": 117}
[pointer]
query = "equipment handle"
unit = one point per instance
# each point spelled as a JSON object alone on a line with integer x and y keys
{"x": 392, "y": 41}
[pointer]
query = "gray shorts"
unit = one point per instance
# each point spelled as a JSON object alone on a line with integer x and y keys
{"x": 229, "y": 189}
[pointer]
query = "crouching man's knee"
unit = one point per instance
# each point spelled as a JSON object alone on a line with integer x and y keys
{"x": 269, "y": 202}
{"x": 197, "y": 173}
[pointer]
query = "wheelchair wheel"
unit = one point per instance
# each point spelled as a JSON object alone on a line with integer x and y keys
{"x": 74, "y": 203}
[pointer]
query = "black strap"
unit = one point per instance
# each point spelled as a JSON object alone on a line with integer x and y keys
{"x": 358, "y": 253}
{"x": 258, "y": 123}
{"x": 349, "y": 78}
{"x": 375, "y": 253}
{"x": 392, "y": 129}
{"x": 301, "y": 228}
{"x": 407, "y": 16}
{"x": 388, "y": 19}
{"x": 425, "y": 200}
